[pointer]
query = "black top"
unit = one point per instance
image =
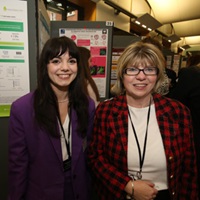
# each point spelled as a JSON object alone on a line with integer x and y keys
{"x": 172, "y": 76}
{"x": 187, "y": 91}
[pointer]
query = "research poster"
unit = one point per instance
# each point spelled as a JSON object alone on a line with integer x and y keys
{"x": 43, "y": 25}
{"x": 96, "y": 40}
{"x": 14, "y": 63}
{"x": 116, "y": 53}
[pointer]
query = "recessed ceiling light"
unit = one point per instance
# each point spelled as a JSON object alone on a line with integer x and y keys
{"x": 148, "y": 21}
{"x": 173, "y": 38}
{"x": 144, "y": 26}
{"x": 59, "y": 4}
{"x": 137, "y": 22}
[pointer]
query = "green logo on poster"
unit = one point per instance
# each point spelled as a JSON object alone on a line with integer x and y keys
{"x": 4, "y": 8}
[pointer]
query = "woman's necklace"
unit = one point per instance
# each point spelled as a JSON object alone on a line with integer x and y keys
{"x": 141, "y": 156}
{"x": 63, "y": 100}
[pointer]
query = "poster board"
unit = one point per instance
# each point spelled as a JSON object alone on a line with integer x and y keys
{"x": 29, "y": 7}
{"x": 14, "y": 60}
{"x": 116, "y": 53}
{"x": 43, "y": 25}
{"x": 97, "y": 37}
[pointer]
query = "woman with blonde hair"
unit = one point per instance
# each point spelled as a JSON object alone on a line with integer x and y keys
{"x": 142, "y": 146}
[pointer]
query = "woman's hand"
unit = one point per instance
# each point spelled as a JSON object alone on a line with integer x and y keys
{"x": 143, "y": 190}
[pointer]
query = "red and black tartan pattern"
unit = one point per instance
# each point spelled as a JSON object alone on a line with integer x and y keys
{"x": 107, "y": 153}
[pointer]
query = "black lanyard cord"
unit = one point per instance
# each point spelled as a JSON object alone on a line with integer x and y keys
{"x": 141, "y": 157}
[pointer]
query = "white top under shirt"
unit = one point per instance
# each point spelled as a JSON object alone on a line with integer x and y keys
{"x": 154, "y": 166}
{"x": 62, "y": 138}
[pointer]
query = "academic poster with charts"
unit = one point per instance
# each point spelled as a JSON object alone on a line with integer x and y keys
{"x": 96, "y": 40}
{"x": 14, "y": 62}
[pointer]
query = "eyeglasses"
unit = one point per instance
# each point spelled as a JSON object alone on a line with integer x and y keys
{"x": 133, "y": 71}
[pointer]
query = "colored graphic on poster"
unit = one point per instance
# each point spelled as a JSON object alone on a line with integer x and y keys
{"x": 96, "y": 40}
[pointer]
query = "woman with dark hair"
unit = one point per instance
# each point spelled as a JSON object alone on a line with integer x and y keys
{"x": 49, "y": 130}
{"x": 92, "y": 89}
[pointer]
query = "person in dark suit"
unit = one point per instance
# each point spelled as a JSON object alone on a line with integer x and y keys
{"x": 49, "y": 129}
{"x": 142, "y": 144}
{"x": 171, "y": 74}
{"x": 187, "y": 91}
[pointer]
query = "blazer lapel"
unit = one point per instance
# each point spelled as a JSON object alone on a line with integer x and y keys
{"x": 77, "y": 141}
{"x": 57, "y": 147}
{"x": 162, "y": 114}
{"x": 120, "y": 119}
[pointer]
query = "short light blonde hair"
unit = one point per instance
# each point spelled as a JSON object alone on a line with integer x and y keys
{"x": 135, "y": 54}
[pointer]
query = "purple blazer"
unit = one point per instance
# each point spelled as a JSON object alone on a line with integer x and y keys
{"x": 35, "y": 158}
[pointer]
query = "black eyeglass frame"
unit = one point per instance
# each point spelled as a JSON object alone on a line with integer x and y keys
{"x": 139, "y": 70}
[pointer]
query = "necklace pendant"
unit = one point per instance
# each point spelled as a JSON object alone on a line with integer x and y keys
{"x": 139, "y": 175}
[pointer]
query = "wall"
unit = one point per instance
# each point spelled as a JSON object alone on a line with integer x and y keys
{"x": 139, "y": 7}
{"x": 89, "y": 8}
{"x": 106, "y": 13}
{"x": 4, "y": 121}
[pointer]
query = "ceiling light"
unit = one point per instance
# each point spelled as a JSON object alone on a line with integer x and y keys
{"x": 137, "y": 22}
{"x": 49, "y": 0}
{"x": 184, "y": 47}
{"x": 59, "y": 4}
{"x": 148, "y": 21}
{"x": 173, "y": 38}
{"x": 144, "y": 26}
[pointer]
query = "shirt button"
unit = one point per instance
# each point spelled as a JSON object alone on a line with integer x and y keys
{"x": 74, "y": 176}
{"x": 172, "y": 176}
{"x": 171, "y": 158}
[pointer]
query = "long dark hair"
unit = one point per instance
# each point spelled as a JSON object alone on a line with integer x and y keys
{"x": 45, "y": 102}
{"x": 84, "y": 58}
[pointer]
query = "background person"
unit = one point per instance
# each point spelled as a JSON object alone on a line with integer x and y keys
{"x": 92, "y": 89}
{"x": 169, "y": 80}
{"x": 49, "y": 130}
{"x": 171, "y": 74}
{"x": 142, "y": 145}
{"x": 187, "y": 91}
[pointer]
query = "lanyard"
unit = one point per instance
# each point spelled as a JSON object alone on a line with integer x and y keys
{"x": 141, "y": 156}
{"x": 67, "y": 142}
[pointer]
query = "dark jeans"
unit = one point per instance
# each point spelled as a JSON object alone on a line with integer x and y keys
{"x": 163, "y": 195}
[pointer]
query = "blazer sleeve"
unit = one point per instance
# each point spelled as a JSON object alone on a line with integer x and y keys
{"x": 18, "y": 155}
{"x": 188, "y": 179}
{"x": 105, "y": 171}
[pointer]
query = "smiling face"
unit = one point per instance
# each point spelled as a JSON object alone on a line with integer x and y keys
{"x": 140, "y": 59}
{"x": 139, "y": 86}
{"x": 62, "y": 71}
